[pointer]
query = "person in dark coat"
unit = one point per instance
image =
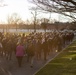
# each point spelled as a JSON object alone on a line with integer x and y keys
{"x": 31, "y": 53}
{"x": 45, "y": 47}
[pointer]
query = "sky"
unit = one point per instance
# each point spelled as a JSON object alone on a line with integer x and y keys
{"x": 15, "y": 6}
{"x": 21, "y": 7}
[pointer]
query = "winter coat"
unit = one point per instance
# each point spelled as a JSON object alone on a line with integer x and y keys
{"x": 20, "y": 50}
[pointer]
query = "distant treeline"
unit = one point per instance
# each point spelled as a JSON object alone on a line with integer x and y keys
{"x": 49, "y": 26}
{"x": 14, "y": 26}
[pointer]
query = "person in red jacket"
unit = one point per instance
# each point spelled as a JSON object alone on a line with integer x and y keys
{"x": 20, "y": 53}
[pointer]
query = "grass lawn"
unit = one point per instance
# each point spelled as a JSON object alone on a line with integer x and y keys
{"x": 63, "y": 64}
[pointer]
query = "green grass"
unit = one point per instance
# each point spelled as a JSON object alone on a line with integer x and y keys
{"x": 63, "y": 64}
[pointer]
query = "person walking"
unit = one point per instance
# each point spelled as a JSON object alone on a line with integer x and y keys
{"x": 20, "y": 53}
{"x": 30, "y": 54}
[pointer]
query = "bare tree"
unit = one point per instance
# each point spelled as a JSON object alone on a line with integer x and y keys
{"x": 57, "y": 6}
{"x": 14, "y": 19}
{"x": 44, "y": 23}
{"x": 35, "y": 13}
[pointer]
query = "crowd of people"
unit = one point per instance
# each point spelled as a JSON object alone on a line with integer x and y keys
{"x": 34, "y": 45}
